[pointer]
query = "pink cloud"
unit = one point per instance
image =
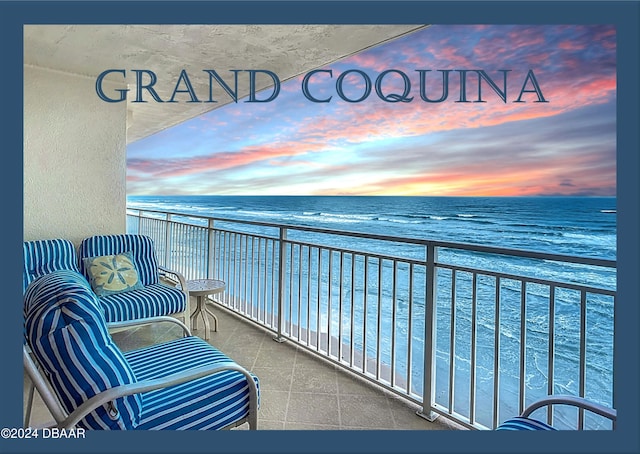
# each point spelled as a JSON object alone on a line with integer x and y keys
{"x": 571, "y": 46}
{"x": 218, "y": 161}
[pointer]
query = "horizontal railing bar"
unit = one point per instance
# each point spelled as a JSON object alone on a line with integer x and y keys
{"x": 533, "y": 280}
{"x": 408, "y": 240}
{"x": 361, "y": 253}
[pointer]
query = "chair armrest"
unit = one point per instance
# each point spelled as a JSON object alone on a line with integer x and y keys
{"x": 148, "y": 321}
{"x": 183, "y": 286}
{"x": 165, "y": 382}
{"x": 177, "y": 275}
{"x": 575, "y": 401}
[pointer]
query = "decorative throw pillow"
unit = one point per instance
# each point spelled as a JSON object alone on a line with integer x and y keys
{"x": 111, "y": 274}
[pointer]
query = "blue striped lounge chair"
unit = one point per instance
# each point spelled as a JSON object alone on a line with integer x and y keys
{"x": 42, "y": 257}
{"x": 45, "y": 256}
{"x": 525, "y": 421}
{"x": 86, "y": 381}
{"x": 149, "y": 297}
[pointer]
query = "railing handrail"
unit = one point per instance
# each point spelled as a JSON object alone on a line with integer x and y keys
{"x": 473, "y": 247}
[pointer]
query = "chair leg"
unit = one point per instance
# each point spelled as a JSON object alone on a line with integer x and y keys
{"x": 27, "y": 412}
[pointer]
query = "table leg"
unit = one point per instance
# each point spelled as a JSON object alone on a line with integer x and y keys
{"x": 194, "y": 315}
{"x": 215, "y": 319}
{"x": 203, "y": 310}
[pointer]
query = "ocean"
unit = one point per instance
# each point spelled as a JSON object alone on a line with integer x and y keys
{"x": 583, "y": 226}
{"x": 578, "y": 226}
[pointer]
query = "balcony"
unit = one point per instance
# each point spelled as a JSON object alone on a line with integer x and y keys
{"x": 344, "y": 335}
{"x": 384, "y": 319}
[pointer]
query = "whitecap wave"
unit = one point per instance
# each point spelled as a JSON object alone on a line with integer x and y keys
{"x": 397, "y": 221}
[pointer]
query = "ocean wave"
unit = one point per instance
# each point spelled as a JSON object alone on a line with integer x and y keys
{"x": 338, "y": 219}
{"x": 153, "y": 205}
{"x": 262, "y": 214}
{"x": 359, "y": 217}
{"x": 421, "y": 217}
{"x": 396, "y": 220}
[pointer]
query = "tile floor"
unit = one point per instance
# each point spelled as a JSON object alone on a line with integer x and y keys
{"x": 299, "y": 391}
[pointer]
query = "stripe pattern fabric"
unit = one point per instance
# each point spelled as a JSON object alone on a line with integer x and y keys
{"x": 67, "y": 333}
{"x": 45, "y": 256}
{"x": 155, "y": 299}
{"x": 522, "y": 423}
{"x": 151, "y": 301}
{"x": 209, "y": 403}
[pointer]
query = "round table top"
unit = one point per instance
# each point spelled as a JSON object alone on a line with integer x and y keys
{"x": 205, "y": 286}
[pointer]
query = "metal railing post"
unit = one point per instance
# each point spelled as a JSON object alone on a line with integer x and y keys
{"x": 281, "y": 283}
{"x": 210, "y": 250}
{"x": 429, "y": 336}
{"x": 167, "y": 242}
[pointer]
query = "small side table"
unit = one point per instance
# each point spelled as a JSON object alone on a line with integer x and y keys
{"x": 200, "y": 288}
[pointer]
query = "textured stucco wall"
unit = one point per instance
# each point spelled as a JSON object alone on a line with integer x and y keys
{"x": 74, "y": 158}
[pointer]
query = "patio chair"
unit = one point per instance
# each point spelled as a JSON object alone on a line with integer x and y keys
{"x": 45, "y": 256}
{"x": 86, "y": 381}
{"x": 526, "y": 422}
{"x": 42, "y": 257}
{"x": 142, "y": 297}
{"x": 149, "y": 298}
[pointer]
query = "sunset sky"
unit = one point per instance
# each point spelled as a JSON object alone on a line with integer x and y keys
{"x": 566, "y": 146}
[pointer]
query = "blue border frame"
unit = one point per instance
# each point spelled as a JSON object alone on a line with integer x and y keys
{"x": 624, "y": 14}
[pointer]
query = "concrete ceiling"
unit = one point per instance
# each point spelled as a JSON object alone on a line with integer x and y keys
{"x": 286, "y": 50}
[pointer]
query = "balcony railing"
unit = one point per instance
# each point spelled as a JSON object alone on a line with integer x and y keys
{"x": 468, "y": 332}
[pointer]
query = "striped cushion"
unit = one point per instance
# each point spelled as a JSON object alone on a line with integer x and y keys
{"x": 520, "y": 423}
{"x": 44, "y": 256}
{"x": 67, "y": 334}
{"x": 211, "y": 402}
{"x": 141, "y": 246}
{"x": 151, "y": 301}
